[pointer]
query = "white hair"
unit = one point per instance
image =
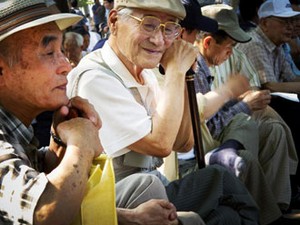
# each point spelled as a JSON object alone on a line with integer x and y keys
{"x": 72, "y": 36}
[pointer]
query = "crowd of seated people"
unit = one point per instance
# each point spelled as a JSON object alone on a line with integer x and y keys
{"x": 245, "y": 55}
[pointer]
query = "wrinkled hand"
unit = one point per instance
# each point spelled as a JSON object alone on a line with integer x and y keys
{"x": 82, "y": 106}
{"x": 237, "y": 84}
{"x": 156, "y": 212}
{"x": 257, "y": 100}
{"x": 82, "y": 133}
{"x": 73, "y": 129}
{"x": 179, "y": 57}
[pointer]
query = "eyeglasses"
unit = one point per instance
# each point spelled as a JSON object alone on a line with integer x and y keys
{"x": 285, "y": 22}
{"x": 150, "y": 24}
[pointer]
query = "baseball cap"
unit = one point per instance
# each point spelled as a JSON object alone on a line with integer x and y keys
{"x": 227, "y": 21}
{"x": 17, "y": 15}
{"x": 278, "y": 8}
{"x": 172, "y": 7}
{"x": 194, "y": 18}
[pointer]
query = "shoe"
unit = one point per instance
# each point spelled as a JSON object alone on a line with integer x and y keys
{"x": 228, "y": 158}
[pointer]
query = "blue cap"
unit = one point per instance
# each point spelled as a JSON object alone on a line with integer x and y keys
{"x": 194, "y": 18}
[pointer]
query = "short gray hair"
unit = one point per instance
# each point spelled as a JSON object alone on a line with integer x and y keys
{"x": 72, "y": 36}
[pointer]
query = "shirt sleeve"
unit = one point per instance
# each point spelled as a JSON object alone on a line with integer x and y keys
{"x": 125, "y": 121}
{"x": 218, "y": 121}
{"x": 20, "y": 188}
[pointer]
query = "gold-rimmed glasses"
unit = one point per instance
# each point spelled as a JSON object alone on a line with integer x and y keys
{"x": 150, "y": 24}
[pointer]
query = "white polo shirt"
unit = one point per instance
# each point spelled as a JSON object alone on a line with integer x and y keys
{"x": 107, "y": 85}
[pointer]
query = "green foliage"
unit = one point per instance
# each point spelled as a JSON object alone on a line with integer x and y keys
{"x": 82, "y": 3}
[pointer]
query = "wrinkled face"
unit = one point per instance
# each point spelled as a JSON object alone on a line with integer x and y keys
{"x": 72, "y": 51}
{"x": 279, "y": 30}
{"x": 137, "y": 48}
{"x": 216, "y": 53}
{"x": 38, "y": 79}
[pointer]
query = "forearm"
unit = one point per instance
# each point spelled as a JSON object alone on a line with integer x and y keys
{"x": 287, "y": 87}
{"x": 185, "y": 138}
{"x": 214, "y": 101}
{"x": 62, "y": 197}
{"x": 167, "y": 118}
{"x": 126, "y": 217}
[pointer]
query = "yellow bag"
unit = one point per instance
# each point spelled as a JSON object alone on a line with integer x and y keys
{"x": 99, "y": 205}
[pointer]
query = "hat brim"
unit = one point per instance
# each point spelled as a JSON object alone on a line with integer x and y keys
{"x": 63, "y": 21}
{"x": 288, "y": 14}
{"x": 237, "y": 34}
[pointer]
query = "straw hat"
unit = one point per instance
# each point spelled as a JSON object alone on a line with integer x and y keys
{"x": 17, "y": 15}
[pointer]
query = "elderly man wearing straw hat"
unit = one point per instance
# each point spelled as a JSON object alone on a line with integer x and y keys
{"x": 47, "y": 186}
{"x": 141, "y": 125}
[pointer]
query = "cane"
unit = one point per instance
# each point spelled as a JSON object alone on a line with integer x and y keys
{"x": 196, "y": 123}
{"x": 195, "y": 117}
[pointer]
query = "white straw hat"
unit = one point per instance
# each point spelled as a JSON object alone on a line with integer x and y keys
{"x": 17, "y": 15}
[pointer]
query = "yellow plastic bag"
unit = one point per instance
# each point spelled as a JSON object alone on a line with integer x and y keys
{"x": 99, "y": 205}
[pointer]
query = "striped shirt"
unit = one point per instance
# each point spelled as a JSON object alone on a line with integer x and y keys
{"x": 203, "y": 82}
{"x": 237, "y": 63}
{"x": 268, "y": 59}
{"x": 21, "y": 185}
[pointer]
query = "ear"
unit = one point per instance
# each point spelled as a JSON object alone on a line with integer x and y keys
{"x": 182, "y": 32}
{"x": 263, "y": 23}
{"x": 112, "y": 21}
{"x": 207, "y": 41}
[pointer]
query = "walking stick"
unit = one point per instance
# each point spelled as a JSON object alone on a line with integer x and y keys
{"x": 196, "y": 123}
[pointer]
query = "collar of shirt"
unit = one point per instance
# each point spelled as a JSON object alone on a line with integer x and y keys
{"x": 15, "y": 127}
{"x": 117, "y": 66}
{"x": 201, "y": 65}
{"x": 147, "y": 90}
{"x": 270, "y": 46}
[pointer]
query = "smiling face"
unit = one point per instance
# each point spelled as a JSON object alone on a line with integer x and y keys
{"x": 37, "y": 80}
{"x": 137, "y": 49}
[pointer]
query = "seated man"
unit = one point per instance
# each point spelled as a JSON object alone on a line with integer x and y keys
{"x": 140, "y": 124}
{"x": 266, "y": 54}
{"x": 227, "y": 123}
{"x": 47, "y": 186}
{"x": 229, "y": 152}
{"x": 72, "y": 47}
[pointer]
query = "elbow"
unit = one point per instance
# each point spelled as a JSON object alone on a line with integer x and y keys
{"x": 186, "y": 146}
{"x": 164, "y": 151}
{"x": 50, "y": 217}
